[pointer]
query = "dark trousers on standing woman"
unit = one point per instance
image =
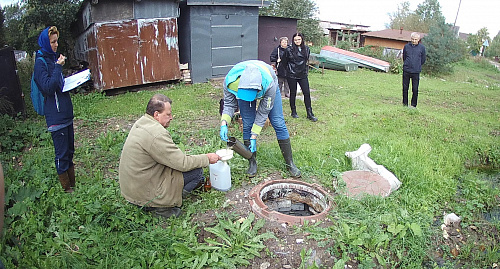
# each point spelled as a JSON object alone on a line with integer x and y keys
{"x": 64, "y": 147}
{"x": 283, "y": 84}
{"x": 304, "y": 85}
{"x": 415, "y": 78}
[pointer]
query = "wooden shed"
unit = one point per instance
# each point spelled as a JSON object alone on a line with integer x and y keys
{"x": 337, "y": 31}
{"x": 214, "y": 35}
{"x": 271, "y": 29}
{"x": 128, "y": 42}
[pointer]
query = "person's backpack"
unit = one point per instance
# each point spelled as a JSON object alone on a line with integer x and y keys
{"x": 37, "y": 97}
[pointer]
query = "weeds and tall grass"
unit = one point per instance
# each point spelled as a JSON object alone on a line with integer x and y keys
{"x": 455, "y": 126}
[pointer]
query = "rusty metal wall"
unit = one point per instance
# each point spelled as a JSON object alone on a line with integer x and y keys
{"x": 137, "y": 52}
{"x": 159, "y": 50}
{"x": 126, "y": 44}
{"x": 131, "y": 52}
{"x": 118, "y": 54}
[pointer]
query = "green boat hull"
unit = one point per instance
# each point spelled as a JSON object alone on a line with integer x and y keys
{"x": 321, "y": 61}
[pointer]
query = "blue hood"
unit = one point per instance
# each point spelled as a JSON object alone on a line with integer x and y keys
{"x": 255, "y": 78}
{"x": 44, "y": 42}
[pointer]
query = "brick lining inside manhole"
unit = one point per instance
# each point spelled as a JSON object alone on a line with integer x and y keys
{"x": 289, "y": 201}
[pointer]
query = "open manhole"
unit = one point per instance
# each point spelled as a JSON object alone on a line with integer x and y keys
{"x": 289, "y": 201}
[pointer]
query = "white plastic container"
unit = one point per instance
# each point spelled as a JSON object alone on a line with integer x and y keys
{"x": 220, "y": 176}
{"x": 225, "y": 154}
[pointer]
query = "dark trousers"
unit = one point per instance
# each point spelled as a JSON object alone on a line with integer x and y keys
{"x": 192, "y": 179}
{"x": 275, "y": 116}
{"x": 304, "y": 85}
{"x": 415, "y": 78}
{"x": 283, "y": 84}
{"x": 64, "y": 148}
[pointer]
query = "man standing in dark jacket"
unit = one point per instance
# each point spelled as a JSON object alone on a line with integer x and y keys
{"x": 413, "y": 58}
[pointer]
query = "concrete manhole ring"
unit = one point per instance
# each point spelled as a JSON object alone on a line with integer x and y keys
{"x": 315, "y": 199}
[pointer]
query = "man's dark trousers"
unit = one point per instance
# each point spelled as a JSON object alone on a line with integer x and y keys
{"x": 415, "y": 78}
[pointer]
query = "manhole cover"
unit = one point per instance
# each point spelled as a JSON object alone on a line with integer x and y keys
{"x": 289, "y": 201}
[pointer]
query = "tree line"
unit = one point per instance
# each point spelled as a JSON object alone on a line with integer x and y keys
{"x": 21, "y": 23}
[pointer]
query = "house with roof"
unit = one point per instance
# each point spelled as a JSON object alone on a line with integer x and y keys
{"x": 390, "y": 39}
{"x": 337, "y": 31}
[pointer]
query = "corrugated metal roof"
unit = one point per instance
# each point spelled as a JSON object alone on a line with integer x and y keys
{"x": 393, "y": 34}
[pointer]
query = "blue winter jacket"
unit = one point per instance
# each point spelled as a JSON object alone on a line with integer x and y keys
{"x": 50, "y": 81}
{"x": 413, "y": 57}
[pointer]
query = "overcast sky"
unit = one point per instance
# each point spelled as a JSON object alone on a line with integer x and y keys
{"x": 473, "y": 14}
{"x": 6, "y": 2}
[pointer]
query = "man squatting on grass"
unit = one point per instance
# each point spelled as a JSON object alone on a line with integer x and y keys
{"x": 413, "y": 59}
{"x": 154, "y": 173}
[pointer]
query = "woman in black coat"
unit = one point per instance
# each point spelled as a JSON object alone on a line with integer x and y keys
{"x": 295, "y": 59}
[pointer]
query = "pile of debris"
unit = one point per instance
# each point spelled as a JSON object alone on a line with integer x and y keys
{"x": 185, "y": 73}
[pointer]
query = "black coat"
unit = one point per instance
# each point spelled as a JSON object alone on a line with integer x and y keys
{"x": 413, "y": 58}
{"x": 296, "y": 62}
{"x": 274, "y": 59}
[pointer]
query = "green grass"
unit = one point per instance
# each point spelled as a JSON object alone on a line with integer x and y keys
{"x": 455, "y": 127}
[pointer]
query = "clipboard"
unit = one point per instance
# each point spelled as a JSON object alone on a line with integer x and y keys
{"x": 76, "y": 80}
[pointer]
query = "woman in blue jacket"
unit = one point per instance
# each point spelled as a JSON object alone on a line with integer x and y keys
{"x": 245, "y": 83}
{"x": 58, "y": 106}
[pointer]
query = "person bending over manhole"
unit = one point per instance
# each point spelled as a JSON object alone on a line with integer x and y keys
{"x": 246, "y": 82}
{"x": 154, "y": 173}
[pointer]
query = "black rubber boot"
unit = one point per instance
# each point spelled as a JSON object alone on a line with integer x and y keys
{"x": 286, "y": 150}
{"x": 252, "y": 162}
{"x": 310, "y": 115}
{"x": 294, "y": 113}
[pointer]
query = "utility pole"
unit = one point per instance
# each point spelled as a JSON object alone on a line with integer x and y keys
{"x": 457, "y": 13}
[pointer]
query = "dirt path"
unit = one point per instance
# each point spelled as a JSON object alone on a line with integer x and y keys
{"x": 497, "y": 64}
